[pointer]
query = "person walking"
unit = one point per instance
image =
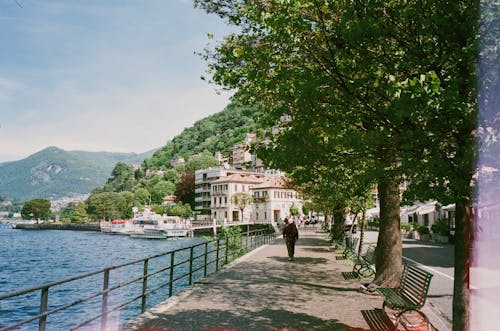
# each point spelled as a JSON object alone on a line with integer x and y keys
{"x": 290, "y": 234}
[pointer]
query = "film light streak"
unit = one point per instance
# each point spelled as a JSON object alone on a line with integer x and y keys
{"x": 485, "y": 261}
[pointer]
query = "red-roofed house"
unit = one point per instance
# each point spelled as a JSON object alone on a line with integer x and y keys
{"x": 273, "y": 199}
{"x": 222, "y": 191}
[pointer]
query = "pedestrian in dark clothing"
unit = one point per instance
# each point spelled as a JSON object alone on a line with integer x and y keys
{"x": 290, "y": 234}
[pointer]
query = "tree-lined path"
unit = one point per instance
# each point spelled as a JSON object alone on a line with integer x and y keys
{"x": 264, "y": 291}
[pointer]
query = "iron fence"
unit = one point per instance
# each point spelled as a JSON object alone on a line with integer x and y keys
{"x": 184, "y": 265}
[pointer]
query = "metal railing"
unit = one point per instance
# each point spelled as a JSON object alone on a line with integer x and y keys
{"x": 219, "y": 223}
{"x": 188, "y": 264}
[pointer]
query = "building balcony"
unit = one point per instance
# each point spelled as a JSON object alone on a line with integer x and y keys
{"x": 214, "y": 194}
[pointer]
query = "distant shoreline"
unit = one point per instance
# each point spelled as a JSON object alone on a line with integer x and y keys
{"x": 59, "y": 226}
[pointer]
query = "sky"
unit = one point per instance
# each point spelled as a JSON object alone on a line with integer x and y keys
{"x": 114, "y": 75}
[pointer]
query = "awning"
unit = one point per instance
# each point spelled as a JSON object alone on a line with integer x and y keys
{"x": 450, "y": 207}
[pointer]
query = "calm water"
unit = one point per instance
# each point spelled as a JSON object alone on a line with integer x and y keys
{"x": 32, "y": 258}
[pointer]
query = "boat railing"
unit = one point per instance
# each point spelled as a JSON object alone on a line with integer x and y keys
{"x": 173, "y": 270}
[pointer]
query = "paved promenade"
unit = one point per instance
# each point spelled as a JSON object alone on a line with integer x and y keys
{"x": 265, "y": 291}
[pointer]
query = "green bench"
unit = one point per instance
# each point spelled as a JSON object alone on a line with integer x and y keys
{"x": 365, "y": 266}
{"x": 410, "y": 295}
{"x": 350, "y": 248}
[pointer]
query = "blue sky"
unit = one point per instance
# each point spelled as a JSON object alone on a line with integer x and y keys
{"x": 114, "y": 75}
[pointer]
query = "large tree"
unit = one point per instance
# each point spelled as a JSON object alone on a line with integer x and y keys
{"x": 36, "y": 209}
{"x": 79, "y": 214}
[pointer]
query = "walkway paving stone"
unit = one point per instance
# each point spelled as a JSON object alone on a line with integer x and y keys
{"x": 265, "y": 291}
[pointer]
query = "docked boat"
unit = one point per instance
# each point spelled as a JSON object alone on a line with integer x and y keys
{"x": 119, "y": 227}
{"x": 149, "y": 225}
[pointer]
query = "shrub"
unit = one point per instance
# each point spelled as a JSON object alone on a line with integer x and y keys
{"x": 406, "y": 226}
{"x": 233, "y": 235}
{"x": 440, "y": 227}
{"x": 422, "y": 229}
{"x": 374, "y": 223}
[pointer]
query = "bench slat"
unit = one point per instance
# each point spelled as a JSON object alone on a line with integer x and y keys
{"x": 412, "y": 292}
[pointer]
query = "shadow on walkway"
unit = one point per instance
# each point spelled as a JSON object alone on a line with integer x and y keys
{"x": 264, "y": 320}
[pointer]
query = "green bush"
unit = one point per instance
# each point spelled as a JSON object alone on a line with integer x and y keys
{"x": 406, "y": 226}
{"x": 422, "y": 229}
{"x": 374, "y": 223}
{"x": 233, "y": 237}
{"x": 440, "y": 227}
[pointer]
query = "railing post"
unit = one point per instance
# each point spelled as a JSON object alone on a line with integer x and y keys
{"x": 144, "y": 285}
{"x": 191, "y": 266}
{"x": 172, "y": 262}
{"x": 104, "y": 307}
{"x": 217, "y": 255}
{"x": 206, "y": 258}
{"x": 44, "y": 300}
{"x": 227, "y": 249}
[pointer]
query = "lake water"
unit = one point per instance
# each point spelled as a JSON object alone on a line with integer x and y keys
{"x": 32, "y": 258}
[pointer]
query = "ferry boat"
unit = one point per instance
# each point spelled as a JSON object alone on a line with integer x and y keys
{"x": 119, "y": 227}
{"x": 149, "y": 225}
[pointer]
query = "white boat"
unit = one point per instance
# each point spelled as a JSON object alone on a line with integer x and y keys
{"x": 120, "y": 227}
{"x": 149, "y": 225}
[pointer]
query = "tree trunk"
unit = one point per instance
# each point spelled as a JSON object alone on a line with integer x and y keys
{"x": 338, "y": 224}
{"x": 463, "y": 242}
{"x": 389, "y": 246}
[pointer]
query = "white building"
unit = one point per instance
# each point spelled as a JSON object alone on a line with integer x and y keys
{"x": 273, "y": 200}
{"x": 203, "y": 186}
{"x": 223, "y": 189}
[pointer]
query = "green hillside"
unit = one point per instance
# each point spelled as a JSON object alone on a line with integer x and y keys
{"x": 218, "y": 132}
{"x": 157, "y": 178}
{"x": 54, "y": 173}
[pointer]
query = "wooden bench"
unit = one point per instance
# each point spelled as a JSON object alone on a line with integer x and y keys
{"x": 411, "y": 293}
{"x": 365, "y": 266}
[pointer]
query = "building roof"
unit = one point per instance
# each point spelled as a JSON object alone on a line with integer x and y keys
{"x": 274, "y": 182}
{"x": 240, "y": 178}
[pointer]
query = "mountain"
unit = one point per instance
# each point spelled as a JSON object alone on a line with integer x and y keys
{"x": 55, "y": 173}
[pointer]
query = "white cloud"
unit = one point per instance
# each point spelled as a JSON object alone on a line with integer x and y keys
{"x": 125, "y": 121}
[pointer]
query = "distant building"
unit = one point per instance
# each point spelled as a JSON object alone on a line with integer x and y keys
{"x": 169, "y": 200}
{"x": 241, "y": 151}
{"x": 223, "y": 190}
{"x": 150, "y": 173}
{"x": 203, "y": 185}
{"x": 241, "y": 154}
{"x": 176, "y": 161}
{"x": 273, "y": 199}
{"x": 221, "y": 158}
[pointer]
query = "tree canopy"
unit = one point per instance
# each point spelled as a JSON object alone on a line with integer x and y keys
{"x": 36, "y": 209}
